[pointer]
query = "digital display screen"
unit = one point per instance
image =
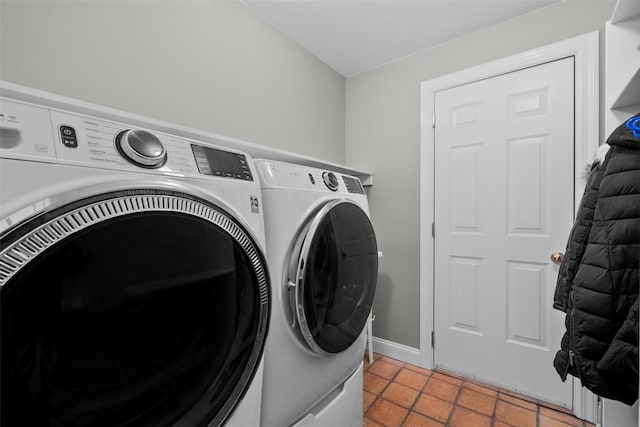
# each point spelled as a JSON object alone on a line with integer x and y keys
{"x": 214, "y": 162}
{"x": 353, "y": 185}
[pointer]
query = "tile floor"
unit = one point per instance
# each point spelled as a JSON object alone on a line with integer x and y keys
{"x": 399, "y": 394}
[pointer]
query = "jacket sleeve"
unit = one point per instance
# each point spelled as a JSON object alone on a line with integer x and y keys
{"x": 578, "y": 238}
{"x": 621, "y": 359}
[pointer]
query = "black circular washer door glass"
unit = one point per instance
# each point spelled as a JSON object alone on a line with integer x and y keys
{"x": 146, "y": 319}
{"x": 339, "y": 281}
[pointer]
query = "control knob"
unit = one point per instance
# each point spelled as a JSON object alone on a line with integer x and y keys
{"x": 330, "y": 180}
{"x": 141, "y": 148}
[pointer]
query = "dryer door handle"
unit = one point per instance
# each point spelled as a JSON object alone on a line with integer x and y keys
{"x": 291, "y": 288}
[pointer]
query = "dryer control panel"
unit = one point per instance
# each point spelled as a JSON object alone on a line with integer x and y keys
{"x": 353, "y": 184}
{"x": 275, "y": 174}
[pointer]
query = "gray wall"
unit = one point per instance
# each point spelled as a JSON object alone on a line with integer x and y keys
{"x": 210, "y": 65}
{"x": 383, "y": 135}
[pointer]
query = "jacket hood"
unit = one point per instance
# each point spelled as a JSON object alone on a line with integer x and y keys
{"x": 624, "y": 137}
{"x": 599, "y": 155}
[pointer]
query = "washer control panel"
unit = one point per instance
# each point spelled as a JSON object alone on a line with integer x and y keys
{"x": 35, "y": 132}
{"x": 141, "y": 148}
{"x": 68, "y": 136}
{"x": 89, "y": 141}
{"x": 215, "y": 162}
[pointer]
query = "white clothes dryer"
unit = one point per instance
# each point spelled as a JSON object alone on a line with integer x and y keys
{"x": 133, "y": 285}
{"x": 323, "y": 259}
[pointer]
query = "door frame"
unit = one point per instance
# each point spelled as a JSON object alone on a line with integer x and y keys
{"x": 585, "y": 50}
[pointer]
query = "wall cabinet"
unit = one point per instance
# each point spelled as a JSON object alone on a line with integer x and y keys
{"x": 622, "y": 64}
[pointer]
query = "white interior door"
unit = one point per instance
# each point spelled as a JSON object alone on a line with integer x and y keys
{"x": 503, "y": 203}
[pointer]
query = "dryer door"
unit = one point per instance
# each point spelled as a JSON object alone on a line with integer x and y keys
{"x": 335, "y": 277}
{"x": 135, "y": 308}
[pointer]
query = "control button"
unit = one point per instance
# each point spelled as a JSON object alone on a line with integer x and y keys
{"x": 330, "y": 180}
{"x": 313, "y": 181}
{"x": 141, "y": 148}
{"x": 69, "y": 142}
{"x": 68, "y": 136}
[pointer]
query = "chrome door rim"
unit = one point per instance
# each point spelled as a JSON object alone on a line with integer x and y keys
{"x": 298, "y": 268}
{"x": 109, "y": 205}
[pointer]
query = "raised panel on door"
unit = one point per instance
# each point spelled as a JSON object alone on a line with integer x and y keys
{"x": 503, "y": 203}
{"x": 526, "y": 183}
{"x": 464, "y": 295}
{"x": 526, "y": 304}
{"x": 464, "y": 188}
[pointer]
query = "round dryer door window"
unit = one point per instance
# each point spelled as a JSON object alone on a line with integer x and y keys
{"x": 336, "y": 273}
{"x": 138, "y": 308}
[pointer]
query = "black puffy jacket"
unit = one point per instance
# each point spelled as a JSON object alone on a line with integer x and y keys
{"x": 599, "y": 277}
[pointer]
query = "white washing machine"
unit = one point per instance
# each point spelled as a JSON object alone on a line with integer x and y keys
{"x": 133, "y": 285}
{"x": 323, "y": 259}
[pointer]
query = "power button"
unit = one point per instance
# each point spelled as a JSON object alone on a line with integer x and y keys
{"x": 68, "y": 136}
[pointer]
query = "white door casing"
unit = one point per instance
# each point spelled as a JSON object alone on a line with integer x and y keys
{"x": 584, "y": 50}
{"x": 503, "y": 203}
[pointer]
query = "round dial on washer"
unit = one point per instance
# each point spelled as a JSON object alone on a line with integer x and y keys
{"x": 330, "y": 180}
{"x": 141, "y": 148}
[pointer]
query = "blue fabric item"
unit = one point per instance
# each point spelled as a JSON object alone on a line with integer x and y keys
{"x": 633, "y": 124}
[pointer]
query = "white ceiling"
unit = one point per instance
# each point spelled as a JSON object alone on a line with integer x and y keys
{"x": 352, "y": 36}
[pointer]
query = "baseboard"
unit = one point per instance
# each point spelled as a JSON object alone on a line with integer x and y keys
{"x": 396, "y": 351}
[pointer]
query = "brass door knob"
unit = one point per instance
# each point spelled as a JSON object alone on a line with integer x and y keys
{"x": 557, "y": 257}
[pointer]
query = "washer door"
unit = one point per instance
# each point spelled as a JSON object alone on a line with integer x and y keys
{"x": 136, "y": 308}
{"x": 334, "y": 276}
